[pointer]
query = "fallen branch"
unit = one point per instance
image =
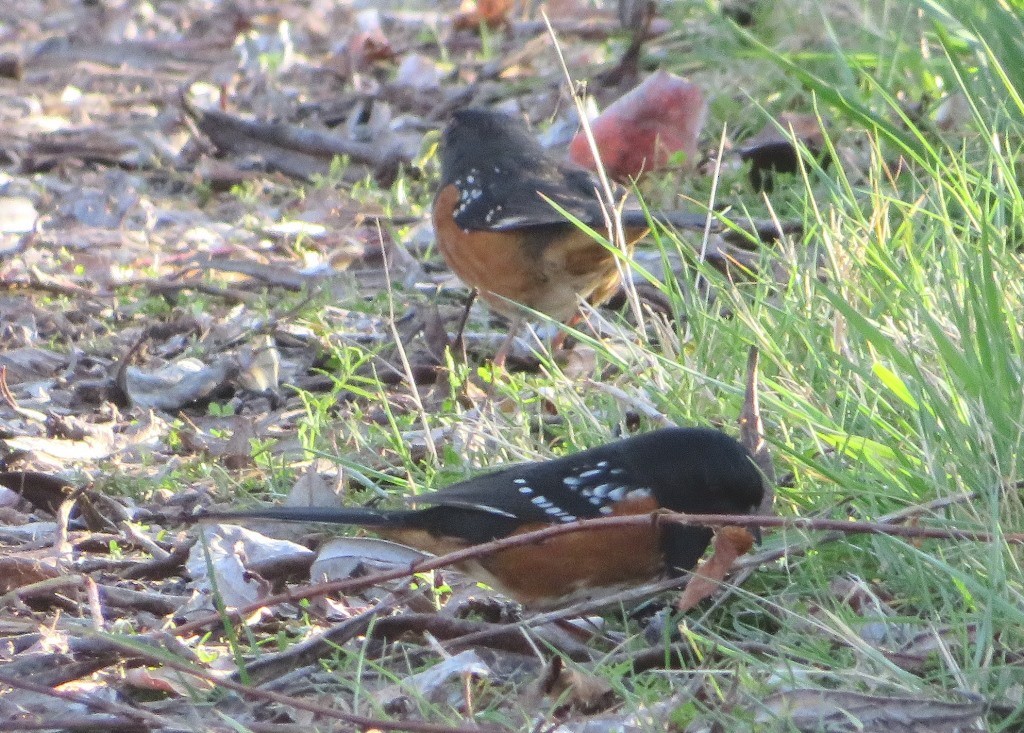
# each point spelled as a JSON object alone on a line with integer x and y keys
{"x": 504, "y": 637}
{"x": 351, "y": 585}
{"x": 295, "y": 151}
{"x": 361, "y": 721}
{"x": 742, "y": 569}
{"x": 73, "y": 722}
{"x": 118, "y": 711}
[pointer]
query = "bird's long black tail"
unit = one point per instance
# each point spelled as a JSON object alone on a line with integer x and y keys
{"x": 338, "y": 515}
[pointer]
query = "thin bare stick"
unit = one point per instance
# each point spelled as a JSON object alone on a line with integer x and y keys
{"x": 634, "y": 520}
{"x": 741, "y": 569}
{"x": 752, "y": 431}
{"x": 362, "y": 721}
{"x": 71, "y": 722}
{"x": 92, "y": 702}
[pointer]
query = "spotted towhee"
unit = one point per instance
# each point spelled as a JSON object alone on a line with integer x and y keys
{"x": 692, "y": 470}
{"x": 499, "y": 232}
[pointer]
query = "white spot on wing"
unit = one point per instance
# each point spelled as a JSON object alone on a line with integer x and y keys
{"x": 510, "y": 222}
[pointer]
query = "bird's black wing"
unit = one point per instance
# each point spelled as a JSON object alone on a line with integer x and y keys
{"x": 500, "y": 200}
{"x": 580, "y": 486}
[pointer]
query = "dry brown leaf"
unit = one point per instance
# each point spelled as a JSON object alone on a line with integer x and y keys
{"x": 238, "y": 451}
{"x": 574, "y": 689}
{"x": 435, "y": 684}
{"x": 578, "y": 363}
{"x": 42, "y": 490}
{"x": 491, "y": 12}
{"x": 730, "y": 543}
{"x": 167, "y": 680}
{"x": 240, "y": 560}
{"x": 921, "y": 650}
{"x": 648, "y": 128}
{"x": 312, "y": 488}
{"x": 58, "y": 453}
{"x": 30, "y": 362}
{"x": 174, "y": 385}
{"x": 568, "y": 9}
{"x": 368, "y": 43}
{"x": 419, "y": 73}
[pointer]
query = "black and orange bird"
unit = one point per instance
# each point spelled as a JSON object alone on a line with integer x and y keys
{"x": 497, "y": 225}
{"x": 691, "y": 470}
{"x": 498, "y": 228}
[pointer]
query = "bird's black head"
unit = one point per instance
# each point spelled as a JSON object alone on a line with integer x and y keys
{"x": 699, "y": 470}
{"x": 696, "y": 471}
{"x": 483, "y": 139}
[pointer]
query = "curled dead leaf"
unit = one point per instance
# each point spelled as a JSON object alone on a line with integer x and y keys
{"x": 167, "y": 680}
{"x": 729, "y": 544}
{"x": 655, "y": 124}
{"x": 492, "y": 13}
{"x": 573, "y": 689}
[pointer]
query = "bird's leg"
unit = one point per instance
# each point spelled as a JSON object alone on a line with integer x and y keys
{"x": 506, "y": 346}
{"x": 458, "y": 342}
{"x": 558, "y": 342}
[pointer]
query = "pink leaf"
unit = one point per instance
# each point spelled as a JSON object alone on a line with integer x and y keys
{"x": 645, "y": 128}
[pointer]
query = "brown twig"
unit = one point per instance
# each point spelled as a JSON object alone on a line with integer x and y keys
{"x": 844, "y": 526}
{"x": 461, "y": 632}
{"x": 752, "y": 430}
{"x": 904, "y": 515}
{"x": 576, "y": 610}
{"x": 708, "y": 520}
{"x": 72, "y": 722}
{"x": 93, "y": 702}
{"x": 167, "y": 287}
{"x": 121, "y": 375}
{"x": 38, "y": 280}
{"x": 272, "y": 666}
{"x": 160, "y": 567}
{"x": 360, "y": 721}
{"x": 743, "y": 567}
{"x": 5, "y": 390}
{"x": 41, "y": 588}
